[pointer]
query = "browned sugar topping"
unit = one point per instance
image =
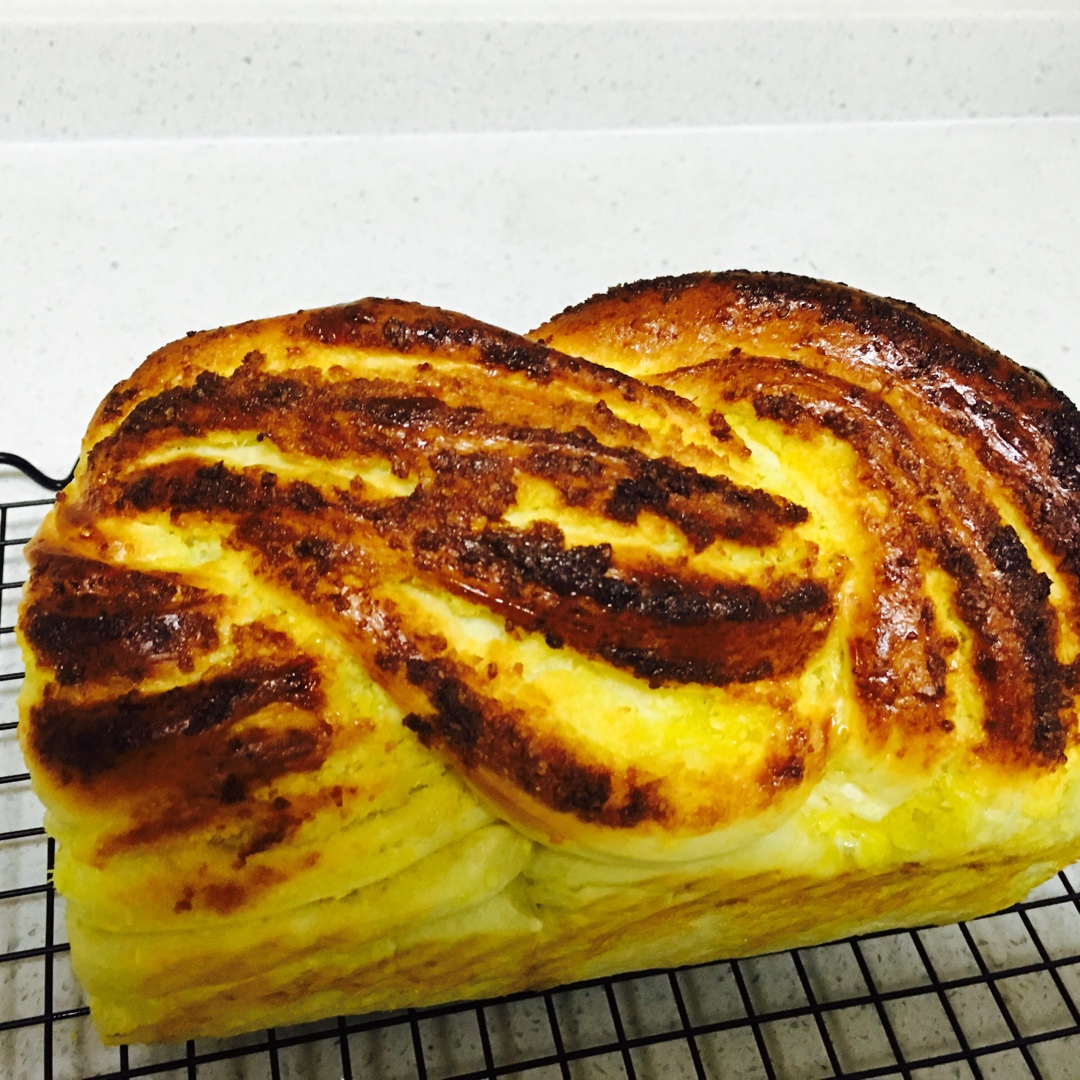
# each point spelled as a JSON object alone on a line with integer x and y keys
{"x": 474, "y": 415}
{"x": 916, "y": 399}
{"x": 90, "y": 620}
{"x": 91, "y": 738}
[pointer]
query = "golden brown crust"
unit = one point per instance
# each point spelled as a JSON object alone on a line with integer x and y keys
{"x": 465, "y": 417}
{"x": 731, "y": 586}
{"x": 463, "y": 439}
{"x": 943, "y": 425}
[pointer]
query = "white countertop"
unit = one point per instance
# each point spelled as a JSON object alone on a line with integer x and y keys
{"x": 113, "y": 247}
{"x": 163, "y": 172}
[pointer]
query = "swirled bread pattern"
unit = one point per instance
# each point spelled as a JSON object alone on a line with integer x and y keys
{"x": 967, "y": 474}
{"x": 711, "y": 580}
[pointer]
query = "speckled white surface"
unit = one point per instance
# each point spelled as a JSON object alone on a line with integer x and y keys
{"x": 113, "y": 248}
{"x": 157, "y": 177}
{"x": 296, "y": 76}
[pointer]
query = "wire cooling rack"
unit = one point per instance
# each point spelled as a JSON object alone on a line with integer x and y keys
{"x": 994, "y": 998}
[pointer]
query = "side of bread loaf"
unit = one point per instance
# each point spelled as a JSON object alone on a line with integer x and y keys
{"x": 378, "y": 657}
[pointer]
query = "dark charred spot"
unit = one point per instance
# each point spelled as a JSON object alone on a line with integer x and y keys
{"x": 302, "y": 496}
{"x": 703, "y": 507}
{"x": 343, "y": 325}
{"x": 806, "y": 596}
{"x": 186, "y": 487}
{"x": 114, "y": 402}
{"x": 1029, "y": 593}
{"x": 273, "y": 394}
{"x": 631, "y": 496}
{"x": 1028, "y": 713}
{"x": 720, "y": 428}
{"x": 667, "y": 288}
{"x": 232, "y": 790}
{"x": 459, "y": 720}
{"x": 533, "y": 361}
{"x": 460, "y": 714}
{"x": 417, "y": 670}
{"x": 555, "y": 463}
{"x": 402, "y": 411}
{"x": 479, "y": 733}
{"x": 84, "y": 741}
{"x": 319, "y": 549}
{"x": 405, "y": 330}
{"x": 842, "y": 424}
{"x": 956, "y": 561}
{"x": 788, "y": 771}
{"x": 1009, "y": 555}
{"x": 91, "y": 619}
{"x": 133, "y": 643}
{"x": 208, "y": 488}
{"x": 141, "y": 495}
{"x": 168, "y": 409}
{"x": 658, "y": 625}
{"x": 476, "y": 467}
{"x": 783, "y": 407}
{"x": 1062, "y": 424}
{"x": 580, "y": 790}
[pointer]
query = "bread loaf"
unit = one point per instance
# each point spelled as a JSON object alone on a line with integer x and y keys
{"x": 378, "y": 657}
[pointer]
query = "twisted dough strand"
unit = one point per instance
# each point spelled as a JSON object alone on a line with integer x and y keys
{"x": 383, "y": 450}
{"x": 713, "y": 587}
{"x": 968, "y": 478}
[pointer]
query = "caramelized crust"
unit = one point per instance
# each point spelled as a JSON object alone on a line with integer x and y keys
{"x": 89, "y": 620}
{"x": 963, "y": 446}
{"x": 406, "y": 651}
{"x": 382, "y": 449}
{"x": 957, "y": 446}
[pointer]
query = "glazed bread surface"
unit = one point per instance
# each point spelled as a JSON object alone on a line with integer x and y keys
{"x": 379, "y": 657}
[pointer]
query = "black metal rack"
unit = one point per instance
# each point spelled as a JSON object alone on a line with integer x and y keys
{"x": 994, "y": 998}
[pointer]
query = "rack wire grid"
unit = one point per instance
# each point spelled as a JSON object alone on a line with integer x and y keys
{"x": 997, "y": 997}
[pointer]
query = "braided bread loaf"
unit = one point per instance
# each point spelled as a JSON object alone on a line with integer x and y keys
{"x": 378, "y": 657}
